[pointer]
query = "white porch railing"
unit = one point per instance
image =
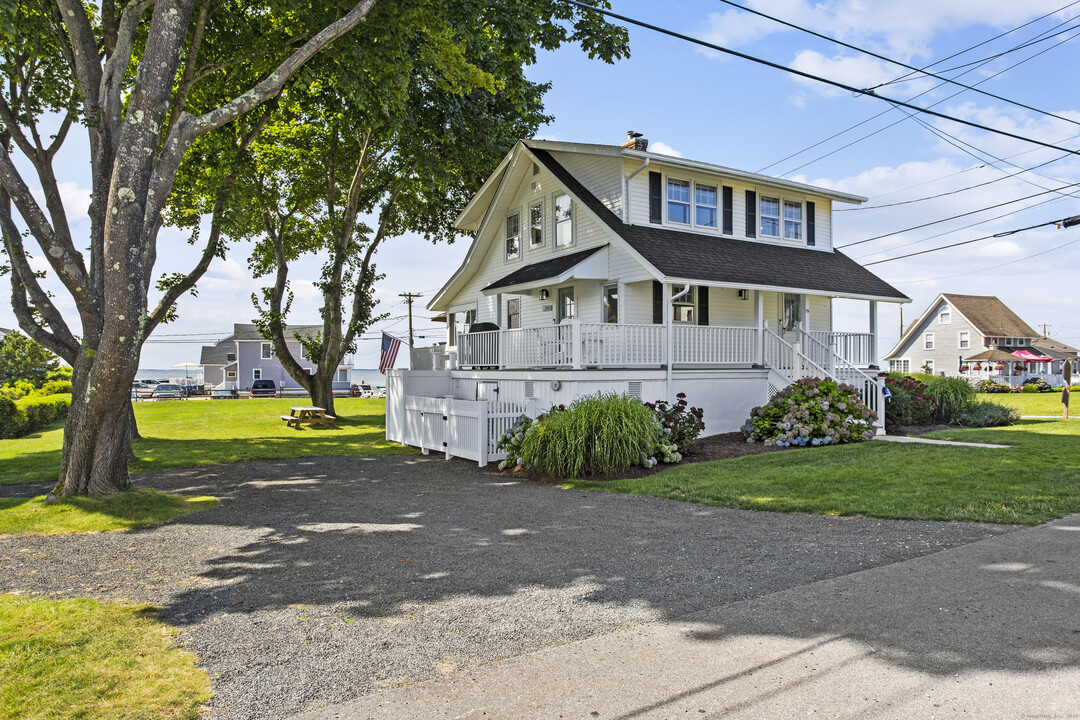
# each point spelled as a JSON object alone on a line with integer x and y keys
{"x": 621, "y": 345}
{"x": 711, "y": 344}
{"x": 855, "y": 348}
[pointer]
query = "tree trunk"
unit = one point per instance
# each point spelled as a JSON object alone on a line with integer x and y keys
{"x": 322, "y": 391}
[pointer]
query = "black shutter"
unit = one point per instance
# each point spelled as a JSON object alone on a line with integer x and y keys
{"x": 703, "y": 306}
{"x": 729, "y": 211}
{"x": 811, "y": 230}
{"x": 751, "y": 213}
{"x": 657, "y": 302}
{"x": 656, "y": 208}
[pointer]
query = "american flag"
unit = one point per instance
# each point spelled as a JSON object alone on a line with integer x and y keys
{"x": 389, "y": 352}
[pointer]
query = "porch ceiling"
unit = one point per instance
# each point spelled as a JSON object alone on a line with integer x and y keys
{"x": 582, "y": 265}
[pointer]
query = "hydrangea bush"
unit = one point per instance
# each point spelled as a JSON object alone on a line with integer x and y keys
{"x": 811, "y": 412}
{"x": 680, "y": 425}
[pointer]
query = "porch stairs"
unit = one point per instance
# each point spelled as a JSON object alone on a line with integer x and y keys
{"x": 809, "y": 357}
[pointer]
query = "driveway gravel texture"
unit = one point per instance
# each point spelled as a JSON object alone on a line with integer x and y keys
{"x": 324, "y": 579}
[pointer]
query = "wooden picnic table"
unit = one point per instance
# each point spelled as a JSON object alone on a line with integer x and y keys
{"x": 307, "y": 415}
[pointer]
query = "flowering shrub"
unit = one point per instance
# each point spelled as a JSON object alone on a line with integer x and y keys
{"x": 1038, "y": 384}
{"x": 680, "y": 424}
{"x": 990, "y": 386}
{"x": 510, "y": 443}
{"x": 912, "y": 403}
{"x": 811, "y": 412}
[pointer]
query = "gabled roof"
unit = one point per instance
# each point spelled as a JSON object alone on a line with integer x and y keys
{"x": 990, "y": 316}
{"x": 1055, "y": 348}
{"x": 248, "y": 331}
{"x": 217, "y": 354}
{"x": 544, "y": 270}
{"x": 741, "y": 263}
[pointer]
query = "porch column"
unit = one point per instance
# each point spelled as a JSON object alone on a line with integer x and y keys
{"x": 873, "y": 334}
{"x": 759, "y": 323}
{"x": 669, "y": 342}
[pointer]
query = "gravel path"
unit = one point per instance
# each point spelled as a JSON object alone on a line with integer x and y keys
{"x": 324, "y": 579}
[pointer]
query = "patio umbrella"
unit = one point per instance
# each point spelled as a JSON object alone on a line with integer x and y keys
{"x": 187, "y": 365}
{"x": 1066, "y": 372}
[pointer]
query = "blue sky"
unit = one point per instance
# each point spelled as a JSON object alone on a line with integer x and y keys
{"x": 720, "y": 109}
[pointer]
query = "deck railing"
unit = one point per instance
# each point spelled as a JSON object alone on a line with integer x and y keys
{"x": 856, "y": 348}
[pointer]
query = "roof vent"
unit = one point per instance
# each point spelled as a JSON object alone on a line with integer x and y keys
{"x": 635, "y": 141}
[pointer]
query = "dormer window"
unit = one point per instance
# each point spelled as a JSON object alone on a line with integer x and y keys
{"x": 770, "y": 217}
{"x": 513, "y": 236}
{"x": 705, "y": 206}
{"x": 792, "y": 220}
{"x": 678, "y": 206}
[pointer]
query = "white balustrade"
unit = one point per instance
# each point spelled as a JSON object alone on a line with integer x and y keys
{"x": 856, "y": 348}
{"x": 621, "y": 345}
{"x": 713, "y": 344}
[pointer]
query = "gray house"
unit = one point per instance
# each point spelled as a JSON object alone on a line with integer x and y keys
{"x": 246, "y": 355}
{"x": 956, "y": 329}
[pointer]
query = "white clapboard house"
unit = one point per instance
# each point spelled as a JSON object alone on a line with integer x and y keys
{"x": 610, "y": 268}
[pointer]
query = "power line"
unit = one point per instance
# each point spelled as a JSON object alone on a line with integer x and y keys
{"x": 901, "y": 64}
{"x": 1064, "y": 222}
{"x": 993, "y": 267}
{"x": 954, "y": 217}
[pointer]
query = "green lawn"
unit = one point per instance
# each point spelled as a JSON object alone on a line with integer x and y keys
{"x": 1035, "y": 403}
{"x": 1035, "y": 480}
{"x": 85, "y": 659}
{"x": 135, "y": 508}
{"x": 206, "y": 432}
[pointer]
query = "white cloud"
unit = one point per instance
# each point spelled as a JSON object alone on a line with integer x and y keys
{"x": 75, "y": 198}
{"x": 664, "y": 149}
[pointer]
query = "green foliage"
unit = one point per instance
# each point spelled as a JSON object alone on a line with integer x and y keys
{"x": 54, "y": 387}
{"x": 813, "y": 412}
{"x": 680, "y": 425}
{"x": 12, "y": 419}
{"x": 911, "y": 403}
{"x": 596, "y": 434}
{"x": 1038, "y": 384}
{"x": 991, "y": 386}
{"x": 983, "y": 413}
{"x": 23, "y": 359}
{"x": 17, "y": 389}
{"x": 953, "y": 395}
{"x": 39, "y": 411}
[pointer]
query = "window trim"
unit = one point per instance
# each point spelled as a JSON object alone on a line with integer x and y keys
{"x": 688, "y": 203}
{"x": 557, "y": 223}
{"x": 930, "y": 366}
{"x": 230, "y": 374}
{"x": 507, "y": 237}
{"x": 539, "y": 202}
{"x": 784, "y": 203}
{"x": 690, "y": 299}
{"x": 603, "y": 302}
{"x": 761, "y": 216}
{"x": 510, "y": 314}
{"x": 256, "y": 374}
{"x": 266, "y": 351}
{"x": 945, "y": 317}
{"x": 928, "y": 341}
{"x": 962, "y": 342}
{"x": 559, "y": 294}
{"x": 716, "y": 191}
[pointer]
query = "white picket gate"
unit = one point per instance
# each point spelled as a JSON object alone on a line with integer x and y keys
{"x": 467, "y": 429}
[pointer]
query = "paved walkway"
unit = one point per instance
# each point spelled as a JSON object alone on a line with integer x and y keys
{"x": 930, "y": 441}
{"x": 986, "y": 630}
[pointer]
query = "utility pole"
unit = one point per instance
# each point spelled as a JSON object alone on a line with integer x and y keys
{"x": 409, "y": 297}
{"x": 1044, "y": 329}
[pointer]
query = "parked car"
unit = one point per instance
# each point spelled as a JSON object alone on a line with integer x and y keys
{"x": 264, "y": 389}
{"x": 224, "y": 394}
{"x": 167, "y": 391}
{"x": 140, "y": 390}
{"x": 363, "y": 391}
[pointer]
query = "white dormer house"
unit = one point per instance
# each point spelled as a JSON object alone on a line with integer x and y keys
{"x": 610, "y": 268}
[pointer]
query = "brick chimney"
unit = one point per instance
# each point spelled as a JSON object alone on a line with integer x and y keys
{"x": 634, "y": 141}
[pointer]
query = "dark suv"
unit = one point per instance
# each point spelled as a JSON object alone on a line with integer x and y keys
{"x": 264, "y": 388}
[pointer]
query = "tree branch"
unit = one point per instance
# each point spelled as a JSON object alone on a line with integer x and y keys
{"x": 112, "y": 78}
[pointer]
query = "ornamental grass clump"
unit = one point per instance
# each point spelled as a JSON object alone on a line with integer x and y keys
{"x": 596, "y": 434}
{"x": 811, "y": 412}
{"x": 953, "y": 396}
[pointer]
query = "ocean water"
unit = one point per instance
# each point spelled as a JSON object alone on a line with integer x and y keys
{"x": 370, "y": 376}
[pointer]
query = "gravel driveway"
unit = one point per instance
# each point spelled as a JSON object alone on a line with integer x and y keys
{"x": 323, "y": 579}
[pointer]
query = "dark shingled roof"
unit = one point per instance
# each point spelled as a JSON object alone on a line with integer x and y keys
{"x": 990, "y": 316}
{"x": 248, "y": 331}
{"x": 215, "y": 354}
{"x": 543, "y": 270}
{"x": 710, "y": 258}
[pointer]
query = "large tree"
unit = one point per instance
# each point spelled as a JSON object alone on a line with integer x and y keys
{"x": 402, "y": 146}
{"x": 146, "y": 80}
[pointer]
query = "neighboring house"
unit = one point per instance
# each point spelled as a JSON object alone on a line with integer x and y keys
{"x": 956, "y": 329}
{"x": 609, "y": 268}
{"x": 246, "y": 355}
{"x": 1058, "y": 352}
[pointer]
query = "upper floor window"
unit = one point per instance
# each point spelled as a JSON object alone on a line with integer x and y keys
{"x": 945, "y": 317}
{"x": 770, "y": 216}
{"x": 267, "y": 351}
{"x": 230, "y": 357}
{"x": 513, "y": 236}
{"x": 564, "y": 221}
{"x": 792, "y": 220}
{"x": 964, "y": 340}
{"x": 678, "y": 205}
{"x": 928, "y": 341}
{"x": 705, "y": 206}
{"x": 536, "y": 224}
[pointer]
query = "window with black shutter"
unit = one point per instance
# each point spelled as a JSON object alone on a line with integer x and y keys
{"x": 657, "y": 302}
{"x": 703, "y": 305}
{"x": 656, "y": 199}
{"x": 811, "y": 230}
{"x": 751, "y": 213}
{"x": 729, "y": 211}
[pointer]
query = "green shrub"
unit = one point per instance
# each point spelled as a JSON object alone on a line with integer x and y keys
{"x": 680, "y": 424}
{"x": 811, "y": 412}
{"x": 911, "y": 403}
{"x": 596, "y": 434}
{"x": 953, "y": 397}
{"x": 991, "y": 386}
{"x": 40, "y": 411}
{"x": 17, "y": 389}
{"x": 987, "y": 414}
{"x": 54, "y": 387}
{"x": 12, "y": 419}
{"x": 1030, "y": 389}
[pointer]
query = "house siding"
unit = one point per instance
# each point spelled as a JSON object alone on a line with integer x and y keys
{"x": 946, "y": 352}
{"x": 249, "y": 357}
{"x": 600, "y": 174}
